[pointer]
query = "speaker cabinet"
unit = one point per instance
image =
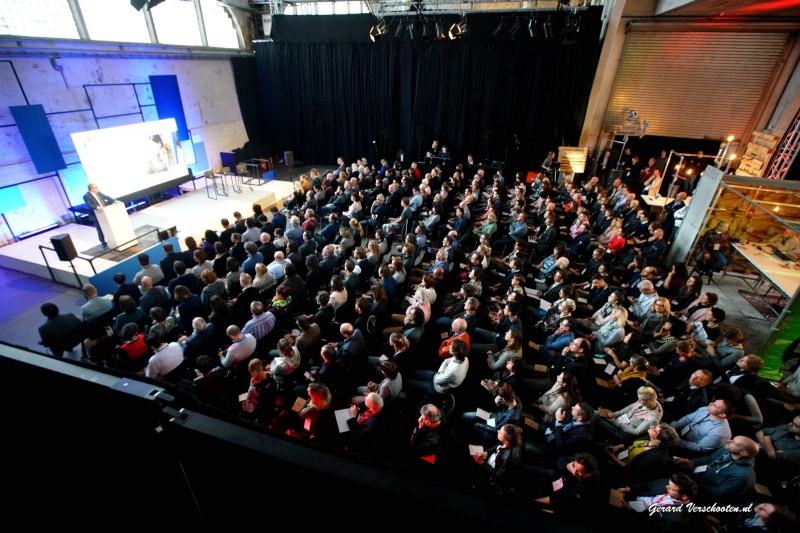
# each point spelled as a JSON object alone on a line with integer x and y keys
{"x": 165, "y": 234}
{"x": 64, "y": 247}
{"x": 288, "y": 158}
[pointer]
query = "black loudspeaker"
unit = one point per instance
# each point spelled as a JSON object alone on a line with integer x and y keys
{"x": 165, "y": 234}
{"x": 64, "y": 247}
{"x": 288, "y": 158}
{"x": 420, "y": 132}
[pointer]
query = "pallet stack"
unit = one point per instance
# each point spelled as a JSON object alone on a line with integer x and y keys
{"x": 757, "y": 154}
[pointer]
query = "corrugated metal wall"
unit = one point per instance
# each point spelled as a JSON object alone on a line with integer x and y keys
{"x": 693, "y": 85}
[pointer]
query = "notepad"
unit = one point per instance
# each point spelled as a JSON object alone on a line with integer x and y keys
{"x": 475, "y": 449}
{"x": 299, "y": 403}
{"x": 342, "y": 416}
{"x": 483, "y": 414}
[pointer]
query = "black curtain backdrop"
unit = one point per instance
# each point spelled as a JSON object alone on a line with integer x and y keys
{"x": 327, "y": 99}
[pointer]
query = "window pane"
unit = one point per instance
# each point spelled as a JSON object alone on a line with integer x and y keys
{"x": 220, "y": 30}
{"x": 43, "y": 18}
{"x": 176, "y": 23}
{"x": 324, "y": 8}
{"x": 114, "y": 20}
{"x": 342, "y": 8}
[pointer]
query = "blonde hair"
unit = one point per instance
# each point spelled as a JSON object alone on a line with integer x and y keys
{"x": 562, "y": 263}
{"x": 622, "y": 316}
{"x": 647, "y": 394}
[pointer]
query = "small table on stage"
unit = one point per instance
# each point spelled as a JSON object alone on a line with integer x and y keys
{"x": 778, "y": 272}
{"x": 661, "y": 201}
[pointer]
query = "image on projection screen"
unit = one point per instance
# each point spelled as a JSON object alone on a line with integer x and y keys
{"x": 127, "y": 159}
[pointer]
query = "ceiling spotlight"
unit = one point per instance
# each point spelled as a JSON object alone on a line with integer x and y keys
{"x": 500, "y": 27}
{"x": 377, "y": 32}
{"x": 547, "y": 29}
{"x": 458, "y": 29}
{"x": 426, "y": 31}
{"x": 454, "y": 32}
{"x": 515, "y": 27}
{"x": 572, "y": 25}
{"x": 398, "y": 33}
{"x": 533, "y": 31}
{"x": 412, "y": 29}
{"x": 439, "y": 28}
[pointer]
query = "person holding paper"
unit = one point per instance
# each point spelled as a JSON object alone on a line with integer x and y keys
{"x": 367, "y": 426}
{"x": 503, "y": 462}
{"x": 575, "y": 481}
{"x": 649, "y": 498}
{"x": 481, "y": 426}
{"x": 96, "y": 201}
{"x": 319, "y": 402}
{"x": 646, "y": 458}
{"x": 633, "y": 420}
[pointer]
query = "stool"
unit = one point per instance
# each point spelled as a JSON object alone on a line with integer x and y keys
{"x": 233, "y": 178}
{"x": 217, "y": 184}
{"x": 244, "y": 175}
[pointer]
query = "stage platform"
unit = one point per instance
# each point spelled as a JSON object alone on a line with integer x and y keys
{"x": 191, "y": 213}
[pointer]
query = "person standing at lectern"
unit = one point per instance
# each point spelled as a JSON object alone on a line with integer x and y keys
{"x": 96, "y": 201}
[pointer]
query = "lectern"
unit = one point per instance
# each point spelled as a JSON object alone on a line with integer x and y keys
{"x": 116, "y": 226}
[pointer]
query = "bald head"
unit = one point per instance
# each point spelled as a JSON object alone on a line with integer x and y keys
{"x": 346, "y": 329}
{"x": 459, "y": 325}
{"x": 147, "y": 283}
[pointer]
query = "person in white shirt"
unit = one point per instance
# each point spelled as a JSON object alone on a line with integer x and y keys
{"x": 165, "y": 359}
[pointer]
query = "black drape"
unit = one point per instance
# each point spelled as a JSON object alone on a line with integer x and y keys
{"x": 326, "y": 99}
{"x": 245, "y": 77}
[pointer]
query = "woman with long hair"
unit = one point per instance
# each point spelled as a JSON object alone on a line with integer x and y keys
{"x": 648, "y": 456}
{"x": 609, "y": 233}
{"x": 319, "y": 401}
{"x": 513, "y": 348}
{"x": 502, "y": 463}
{"x": 612, "y": 332}
{"x": 263, "y": 280}
{"x": 562, "y": 395}
{"x": 676, "y": 279}
{"x": 687, "y": 294}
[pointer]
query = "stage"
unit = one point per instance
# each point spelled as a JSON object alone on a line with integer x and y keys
{"x": 191, "y": 213}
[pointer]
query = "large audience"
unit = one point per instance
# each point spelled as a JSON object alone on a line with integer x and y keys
{"x": 520, "y": 335}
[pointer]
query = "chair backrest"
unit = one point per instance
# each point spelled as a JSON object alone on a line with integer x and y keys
{"x": 241, "y": 168}
{"x": 209, "y": 173}
{"x": 226, "y": 169}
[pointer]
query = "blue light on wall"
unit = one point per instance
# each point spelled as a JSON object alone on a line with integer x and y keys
{"x": 167, "y": 97}
{"x": 38, "y": 137}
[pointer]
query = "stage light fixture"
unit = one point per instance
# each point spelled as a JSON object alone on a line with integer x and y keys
{"x": 515, "y": 27}
{"x": 547, "y": 29}
{"x": 458, "y": 29}
{"x": 533, "y": 31}
{"x": 440, "y": 34}
{"x": 427, "y": 33}
{"x": 500, "y": 27}
{"x": 572, "y": 25}
{"x": 454, "y": 32}
{"x": 398, "y": 33}
{"x": 412, "y": 29}
{"x": 377, "y": 32}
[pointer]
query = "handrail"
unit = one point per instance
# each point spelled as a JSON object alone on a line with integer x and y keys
{"x": 90, "y": 260}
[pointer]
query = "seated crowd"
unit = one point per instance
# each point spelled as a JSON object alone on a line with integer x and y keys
{"x": 517, "y": 335}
